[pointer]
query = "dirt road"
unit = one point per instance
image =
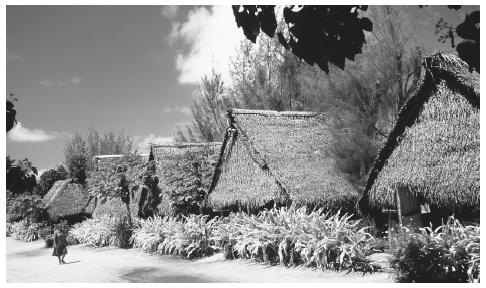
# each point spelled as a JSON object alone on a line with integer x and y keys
{"x": 30, "y": 262}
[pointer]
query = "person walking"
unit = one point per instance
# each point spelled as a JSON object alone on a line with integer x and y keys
{"x": 60, "y": 243}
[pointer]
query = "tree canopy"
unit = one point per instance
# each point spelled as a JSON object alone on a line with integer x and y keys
{"x": 11, "y": 112}
{"x": 48, "y": 178}
{"x": 320, "y": 34}
{"x": 317, "y": 34}
{"x": 20, "y": 176}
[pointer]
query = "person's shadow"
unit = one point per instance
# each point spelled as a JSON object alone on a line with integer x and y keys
{"x": 72, "y": 262}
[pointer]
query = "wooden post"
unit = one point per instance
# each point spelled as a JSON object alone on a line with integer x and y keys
{"x": 399, "y": 210}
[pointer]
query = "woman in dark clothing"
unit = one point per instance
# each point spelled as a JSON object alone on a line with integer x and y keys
{"x": 60, "y": 243}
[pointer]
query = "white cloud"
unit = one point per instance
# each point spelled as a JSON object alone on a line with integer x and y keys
{"x": 211, "y": 38}
{"x": 22, "y": 134}
{"x": 169, "y": 11}
{"x": 178, "y": 109}
{"x": 39, "y": 173}
{"x": 142, "y": 144}
{"x": 76, "y": 79}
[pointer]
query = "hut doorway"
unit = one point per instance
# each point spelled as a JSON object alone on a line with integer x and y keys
{"x": 409, "y": 211}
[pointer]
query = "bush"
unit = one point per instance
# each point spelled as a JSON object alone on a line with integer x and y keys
{"x": 295, "y": 237}
{"x": 8, "y": 229}
{"x": 25, "y": 231}
{"x": 449, "y": 253}
{"x": 104, "y": 230}
{"x": 189, "y": 236}
{"x": 71, "y": 240}
{"x": 26, "y": 206}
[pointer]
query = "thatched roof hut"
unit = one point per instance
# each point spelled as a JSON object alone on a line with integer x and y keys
{"x": 67, "y": 198}
{"x": 433, "y": 150}
{"x": 111, "y": 165}
{"x": 284, "y": 157}
{"x": 180, "y": 166}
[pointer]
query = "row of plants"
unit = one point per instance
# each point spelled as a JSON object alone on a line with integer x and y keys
{"x": 449, "y": 253}
{"x": 277, "y": 236}
{"x": 292, "y": 237}
{"x": 103, "y": 230}
{"x": 24, "y": 230}
{"x": 295, "y": 237}
{"x": 189, "y": 236}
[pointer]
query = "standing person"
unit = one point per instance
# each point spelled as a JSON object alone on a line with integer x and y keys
{"x": 60, "y": 243}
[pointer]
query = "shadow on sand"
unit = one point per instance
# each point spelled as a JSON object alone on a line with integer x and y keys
{"x": 157, "y": 275}
{"x": 72, "y": 262}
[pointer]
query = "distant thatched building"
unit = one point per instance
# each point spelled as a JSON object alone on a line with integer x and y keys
{"x": 432, "y": 154}
{"x": 114, "y": 164}
{"x": 67, "y": 199}
{"x": 279, "y": 157}
{"x": 183, "y": 168}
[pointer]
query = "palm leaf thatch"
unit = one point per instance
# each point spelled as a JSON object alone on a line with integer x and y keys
{"x": 279, "y": 156}
{"x": 106, "y": 177}
{"x": 67, "y": 198}
{"x": 182, "y": 168}
{"x": 434, "y": 147}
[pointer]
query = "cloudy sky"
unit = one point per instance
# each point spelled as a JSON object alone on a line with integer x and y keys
{"x": 117, "y": 67}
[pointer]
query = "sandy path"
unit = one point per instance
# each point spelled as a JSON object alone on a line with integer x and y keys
{"x": 30, "y": 262}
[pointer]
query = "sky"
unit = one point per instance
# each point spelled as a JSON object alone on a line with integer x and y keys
{"x": 134, "y": 68}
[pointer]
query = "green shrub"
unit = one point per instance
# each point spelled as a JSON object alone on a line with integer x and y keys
{"x": 26, "y": 206}
{"x": 8, "y": 229}
{"x": 25, "y": 231}
{"x": 449, "y": 253}
{"x": 71, "y": 240}
{"x": 104, "y": 230}
{"x": 295, "y": 237}
{"x": 188, "y": 236}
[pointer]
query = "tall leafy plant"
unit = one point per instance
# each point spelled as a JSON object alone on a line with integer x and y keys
{"x": 105, "y": 184}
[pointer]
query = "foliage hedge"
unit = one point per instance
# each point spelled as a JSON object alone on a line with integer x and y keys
{"x": 276, "y": 236}
{"x": 103, "y": 230}
{"x": 189, "y": 236}
{"x": 23, "y": 230}
{"x": 450, "y": 253}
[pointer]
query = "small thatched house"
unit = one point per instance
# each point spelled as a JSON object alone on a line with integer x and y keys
{"x": 106, "y": 166}
{"x": 431, "y": 157}
{"x": 183, "y": 168}
{"x": 66, "y": 200}
{"x": 271, "y": 157}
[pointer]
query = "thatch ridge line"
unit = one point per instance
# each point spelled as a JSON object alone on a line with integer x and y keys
{"x": 469, "y": 92}
{"x": 256, "y": 156}
{"x": 231, "y": 132}
{"x": 185, "y": 145}
{"x": 406, "y": 116}
{"x": 272, "y": 113}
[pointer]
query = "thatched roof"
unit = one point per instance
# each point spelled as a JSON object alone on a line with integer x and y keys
{"x": 176, "y": 171}
{"x": 281, "y": 156}
{"x": 67, "y": 198}
{"x": 434, "y": 147}
{"x": 114, "y": 205}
